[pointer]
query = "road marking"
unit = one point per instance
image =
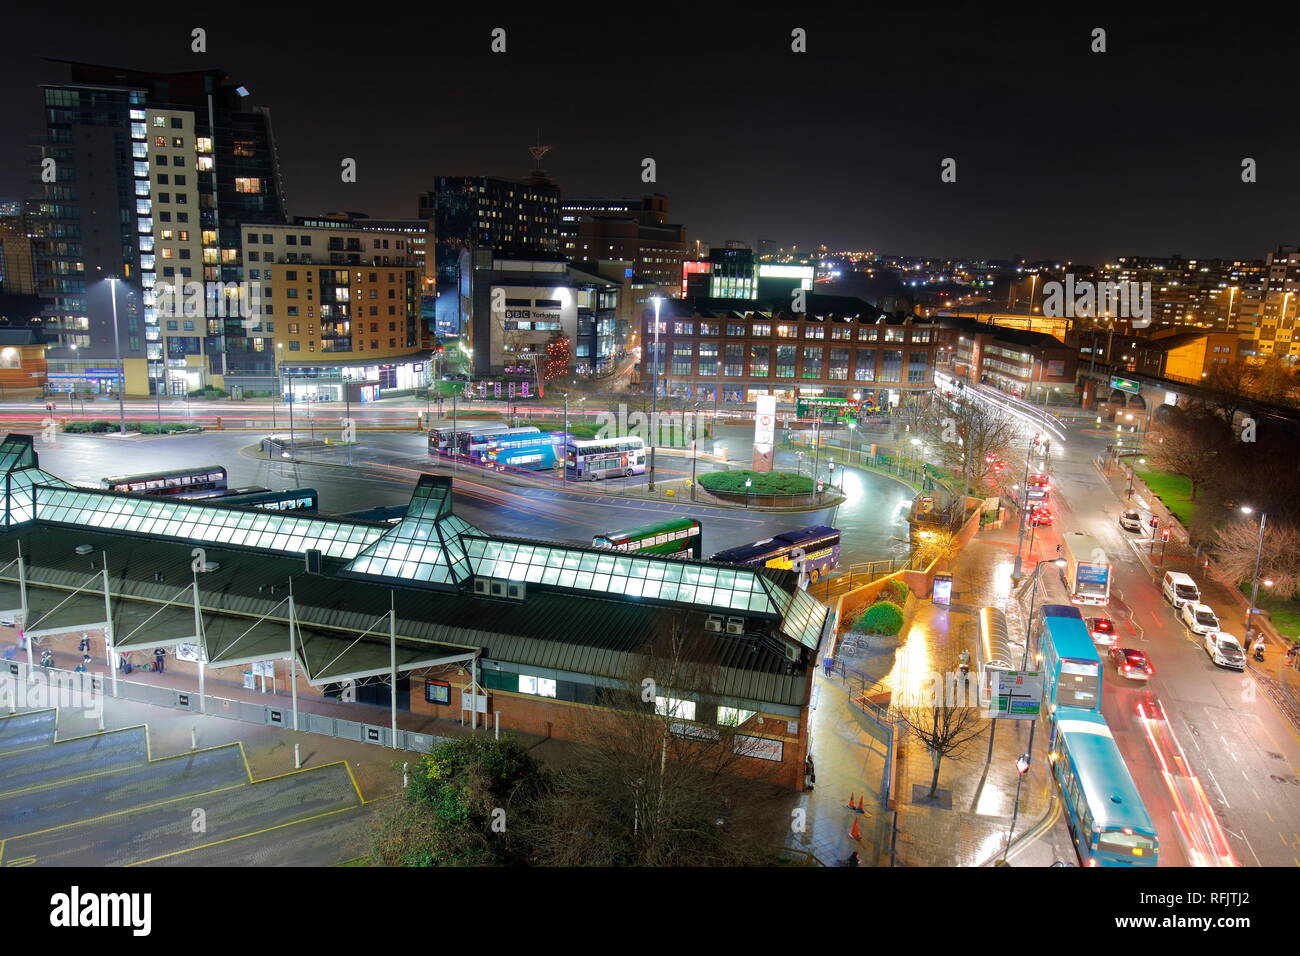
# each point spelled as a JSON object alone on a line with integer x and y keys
{"x": 1218, "y": 788}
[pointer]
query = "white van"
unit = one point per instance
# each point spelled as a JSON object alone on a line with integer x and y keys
{"x": 1179, "y": 589}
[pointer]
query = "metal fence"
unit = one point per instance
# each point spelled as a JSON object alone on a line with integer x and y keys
{"x": 50, "y": 680}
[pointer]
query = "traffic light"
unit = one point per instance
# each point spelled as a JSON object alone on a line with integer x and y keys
{"x": 1164, "y": 535}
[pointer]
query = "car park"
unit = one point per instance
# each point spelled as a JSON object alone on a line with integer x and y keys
{"x": 1102, "y": 630}
{"x": 1179, "y": 589}
{"x": 1131, "y": 520}
{"x": 1131, "y": 663}
{"x": 1198, "y": 618}
{"x": 1225, "y": 650}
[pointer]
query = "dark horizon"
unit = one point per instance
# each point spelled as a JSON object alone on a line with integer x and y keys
{"x": 841, "y": 145}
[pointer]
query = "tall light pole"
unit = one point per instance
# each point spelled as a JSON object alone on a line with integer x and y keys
{"x": 117, "y": 352}
{"x": 1020, "y": 540}
{"x": 564, "y": 475}
{"x": 654, "y": 396}
{"x": 1259, "y": 553}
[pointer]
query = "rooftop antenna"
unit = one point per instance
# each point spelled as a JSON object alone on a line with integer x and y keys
{"x": 538, "y": 151}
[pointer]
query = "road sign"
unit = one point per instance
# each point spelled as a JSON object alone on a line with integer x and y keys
{"x": 1125, "y": 385}
{"x": 1014, "y": 694}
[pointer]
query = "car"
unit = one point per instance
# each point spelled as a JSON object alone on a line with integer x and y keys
{"x": 1102, "y": 630}
{"x": 1040, "y": 515}
{"x": 1131, "y": 520}
{"x": 1225, "y": 650}
{"x": 1131, "y": 663}
{"x": 1198, "y": 618}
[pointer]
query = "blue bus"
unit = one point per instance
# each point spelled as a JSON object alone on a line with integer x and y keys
{"x": 476, "y": 445}
{"x": 534, "y": 451}
{"x": 1070, "y": 665}
{"x": 1107, "y": 819}
{"x": 304, "y": 500}
{"x": 820, "y": 544}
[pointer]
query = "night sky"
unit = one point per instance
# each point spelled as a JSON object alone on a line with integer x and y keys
{"x": 1061, "y": 153}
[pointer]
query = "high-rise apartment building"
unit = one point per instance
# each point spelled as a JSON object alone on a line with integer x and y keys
{"x": 148, "y": 177}
{"x": 514, "y": 219}
{"x": 1275, "y": 330}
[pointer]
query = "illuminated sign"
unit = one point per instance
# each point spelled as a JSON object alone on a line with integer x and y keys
{"x": 1125, "y": 385}
{"x": 765, "y": 420}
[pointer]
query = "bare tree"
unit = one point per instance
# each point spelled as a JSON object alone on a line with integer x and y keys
{"x": 968, "y": 435}
{"x": 1191, "y": 442}
{"x": 943, "y": 715}
{"x": 1236, "y": 544}
{"x": 651, "y": 786}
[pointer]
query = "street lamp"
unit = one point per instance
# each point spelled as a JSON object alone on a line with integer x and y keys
{"x": 564, "y": 474}
{"x": 654, "y": 397}
{"x": 1016, "y": 574}
{"x": 748, "y": 484}
{"x": 852, "y": 428}
{"x": 117, "y": 352}
{"x": 1259, "y": 553}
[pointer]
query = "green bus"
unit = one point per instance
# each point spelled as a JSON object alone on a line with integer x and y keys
{"x": 664, "y": 537}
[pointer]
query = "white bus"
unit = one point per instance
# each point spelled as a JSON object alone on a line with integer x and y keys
{"x": 604, "y": 458}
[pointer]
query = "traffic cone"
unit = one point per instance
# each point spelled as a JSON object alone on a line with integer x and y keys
{"x": 854, "y": 832}
{"x": 860, "y": 810}
{"x": 850, "y": 801}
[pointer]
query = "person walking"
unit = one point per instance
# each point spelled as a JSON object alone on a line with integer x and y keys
{"x": 160, "y": 659}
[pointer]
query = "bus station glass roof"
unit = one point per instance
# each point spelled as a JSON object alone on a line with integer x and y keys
{"x": 425, "y": 546}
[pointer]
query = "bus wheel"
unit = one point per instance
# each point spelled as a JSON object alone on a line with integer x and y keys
{"x": 628, "y": 473}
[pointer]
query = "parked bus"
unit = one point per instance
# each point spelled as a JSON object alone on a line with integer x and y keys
{"x": 605, "y": 458}
{"x": 665, "y": 537}
{"x": 440, "y": 439}
{"x": 477, "y": 446}
{"x": 1070, "y": 665}
{"x": 1086, "y": 574}
{"x": 304, "y": 500}
{"x": 820, "y": 545}
{"x": 176, "y": 482}
{"x": 533, "y": 452}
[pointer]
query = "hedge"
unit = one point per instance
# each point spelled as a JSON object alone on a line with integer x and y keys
{"x": 883, "y": 617}
{"x": 100, "y": 426}
{"x": 764, "y": 482}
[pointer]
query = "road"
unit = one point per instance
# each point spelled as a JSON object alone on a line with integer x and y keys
{"x": 1246, "y": 754}
{"x": 383, "y": 467}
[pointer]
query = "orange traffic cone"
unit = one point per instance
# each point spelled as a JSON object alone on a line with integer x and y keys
{"x": 860, "y": 810}
{"x": 850, "y": 801}
{"x": 855, "y": 832}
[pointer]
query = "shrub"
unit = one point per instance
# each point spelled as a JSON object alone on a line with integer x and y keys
{"x": 895, "y": 591}
{"x": 764, "y": 482}
{"x": 883, "y": 617}
{"x": 209, "y": 391}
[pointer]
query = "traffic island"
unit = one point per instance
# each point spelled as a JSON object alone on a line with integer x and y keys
{"x": 766, "y": 489}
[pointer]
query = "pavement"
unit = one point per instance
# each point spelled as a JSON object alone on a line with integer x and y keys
{"x": 968, "y": 824}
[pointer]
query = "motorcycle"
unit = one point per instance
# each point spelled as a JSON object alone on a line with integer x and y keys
{"x": 1259, "y": 653}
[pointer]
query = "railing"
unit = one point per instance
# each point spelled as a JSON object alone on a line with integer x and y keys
{"x": 856, "y": 575}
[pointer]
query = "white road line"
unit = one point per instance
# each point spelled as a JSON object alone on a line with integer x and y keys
{"x": 1222, "y": 795}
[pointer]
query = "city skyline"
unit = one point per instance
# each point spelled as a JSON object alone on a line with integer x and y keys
{"x": 1024, "y": 189}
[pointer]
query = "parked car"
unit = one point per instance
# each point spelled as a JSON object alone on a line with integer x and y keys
{"x": 1179, "y": 589}
{"x": 1131, "y": 520}
{"x": 1198, "y": 618}
{"x": 1102, "y": 630}
{"x": 1131, "y": 663}
{"x": 1040, "y": 516}
{"x": 1225, "y": 650}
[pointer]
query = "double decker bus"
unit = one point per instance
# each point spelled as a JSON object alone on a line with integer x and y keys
{"x": 532, "y": 452}
{"x": 820, "y": 545}
{"x": 1071, "y": 667}
{"x": 304, "y": 500}
{"x": 1107, "y": 819}
{"x": 664, "y": 537}
{"x": 442, "y": 440}
{"x": 190, "y": 482}
{"x": 476, "y": 446}
{"x": 605, "y": 458}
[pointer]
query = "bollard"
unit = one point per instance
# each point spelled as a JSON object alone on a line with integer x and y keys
{"x": 406, "y": 777}
{"x": 194, "y": 738}
{"x": 101, "y": 716}
{"x": 297, "y": 758}
{"x": 497, "y": 715}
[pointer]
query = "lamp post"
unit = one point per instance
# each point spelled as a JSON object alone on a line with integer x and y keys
{"x": 1259, "y": 553}
{"x": 1016, "y": 574}
{"x": 654, "y": 398}
{"x": 117, "y": 352}
{"x": 564, "y": 474}
{"x": 853, "y": 427}
{"x": 748, "y": 483}
{"x": 1022, "y": 764}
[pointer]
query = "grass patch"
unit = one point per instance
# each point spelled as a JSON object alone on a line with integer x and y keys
{"x": 764, "y": 482}
{"x": 576, "y": 429}
{"x": 1283, "y": 612}
{"x": 1175, "y": 491}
